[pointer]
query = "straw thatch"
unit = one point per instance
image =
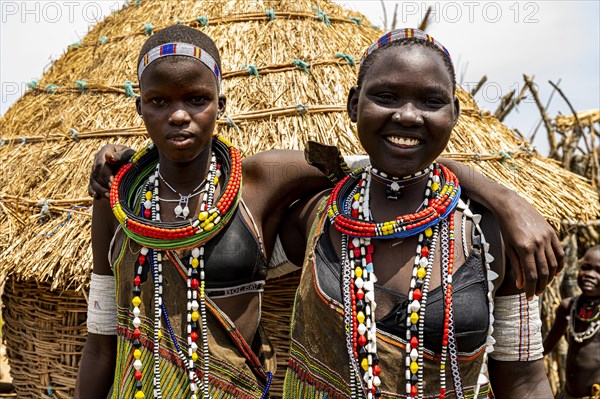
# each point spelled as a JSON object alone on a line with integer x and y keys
{"x": 288, "y": 68}
{"x": 567, "y": 123}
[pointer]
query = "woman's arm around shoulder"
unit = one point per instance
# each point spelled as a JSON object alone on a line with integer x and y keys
{"x": 96, "y": 370}
{"x": 532, "y": 245}
{"x": 273, "y": 180}
{"x": 296, "y": 226}
{"x": 282, "y": 176}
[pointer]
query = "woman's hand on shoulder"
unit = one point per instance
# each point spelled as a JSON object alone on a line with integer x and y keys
{"x": 531, "y": 243}
{"x": 107, "y": 162}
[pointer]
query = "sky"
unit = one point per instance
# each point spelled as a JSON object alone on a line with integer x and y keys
{"x": 551, "y": 40}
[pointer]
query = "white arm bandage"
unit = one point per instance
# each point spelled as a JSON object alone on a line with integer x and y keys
{"x": 517, "y": 329}
{"x": 102, "y": 306}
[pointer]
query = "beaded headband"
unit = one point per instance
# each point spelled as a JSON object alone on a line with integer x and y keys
{"x": 399, "y": 35}
{"x": 185, "y": 49}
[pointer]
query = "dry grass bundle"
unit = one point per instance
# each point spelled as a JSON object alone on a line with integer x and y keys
{"x": 567, "y": 123}
{"x": 288, "y": 66}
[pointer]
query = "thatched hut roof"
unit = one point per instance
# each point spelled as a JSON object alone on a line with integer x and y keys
{"x": 287, "y": 73}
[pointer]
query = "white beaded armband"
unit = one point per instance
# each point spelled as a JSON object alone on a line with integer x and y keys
{"x": 517, "y": 329}
{"x": 102, "y": 306}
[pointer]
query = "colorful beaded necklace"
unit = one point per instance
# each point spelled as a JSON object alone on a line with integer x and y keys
{"x": 182, "y": 234}
{"x": 403, "y": 226}
{"x": 593, "y": 320}
{"x": 353, "y": 219}
{"x": 152, "y": 257}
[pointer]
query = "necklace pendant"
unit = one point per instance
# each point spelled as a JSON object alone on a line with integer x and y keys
{"x": 178, "y": 211}
{"x": 181, "y": 210}
{"x": 393, "y": 191}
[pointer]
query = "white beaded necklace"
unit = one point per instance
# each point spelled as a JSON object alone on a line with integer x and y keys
{"x": 586, "y": 334}
{"x": 196, "y": 306}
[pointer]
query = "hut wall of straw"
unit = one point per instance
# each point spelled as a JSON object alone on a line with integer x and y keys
{"x": 288, "y": 66}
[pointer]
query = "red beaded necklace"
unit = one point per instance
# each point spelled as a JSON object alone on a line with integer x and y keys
{"x": 352, "y": 193}
{"x": 179, "y": 234}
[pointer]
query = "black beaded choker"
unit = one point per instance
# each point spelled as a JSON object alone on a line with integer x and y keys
{"x": 394, "y": 185}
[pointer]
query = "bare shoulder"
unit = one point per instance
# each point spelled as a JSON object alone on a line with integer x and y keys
{"x": 563, "y": 309}
{"x": 266, "y": 165}
{"x": 274, "y": 179}
{"x": 565, "y": 305}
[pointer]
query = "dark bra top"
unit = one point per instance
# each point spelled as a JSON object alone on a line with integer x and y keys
{"x": 470, "y": 305}
{"x": 234, "y": 262}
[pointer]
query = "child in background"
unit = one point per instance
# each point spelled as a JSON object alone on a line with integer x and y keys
{"x": 580, "y": 318}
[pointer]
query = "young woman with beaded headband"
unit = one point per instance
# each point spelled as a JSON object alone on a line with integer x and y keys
{"x": 184, "y": 329}
{"x": 187, "y": 295}
{"x": 404, "y": 291}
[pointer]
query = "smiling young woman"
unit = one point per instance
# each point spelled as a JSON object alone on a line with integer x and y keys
{"x": 404, "y": 290}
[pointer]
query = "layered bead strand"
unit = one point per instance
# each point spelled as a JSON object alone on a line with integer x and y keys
{"x": 349, "y": 212}
{"x": 196, "y": 316}
{"x": 402, "y": 226}
{"x": 448, "y": 339}
{"x": 140, "y": 265}
{"x": 417, "y": 296}
{"x": 429, "y": 241}
{"x": 177, "y": 234}
{"x": 362, "y": 290}
{"x": 414, "y": 305}
{"x": 349, "y": 298}
{"x": 157, "y": 273}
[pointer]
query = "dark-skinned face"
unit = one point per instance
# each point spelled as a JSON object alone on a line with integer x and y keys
{"x": 405, "y": 109}
{"x": 588, "y": 278}
{"x": 179, "y": 104}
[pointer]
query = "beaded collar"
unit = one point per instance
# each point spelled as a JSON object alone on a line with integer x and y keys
{"x": 352, "y": 217}
{"x": 395, "y": 185}
{"x": 403, "y": 226}
{"x": 593, "y": 320}
{"x": 184, "y": 234}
